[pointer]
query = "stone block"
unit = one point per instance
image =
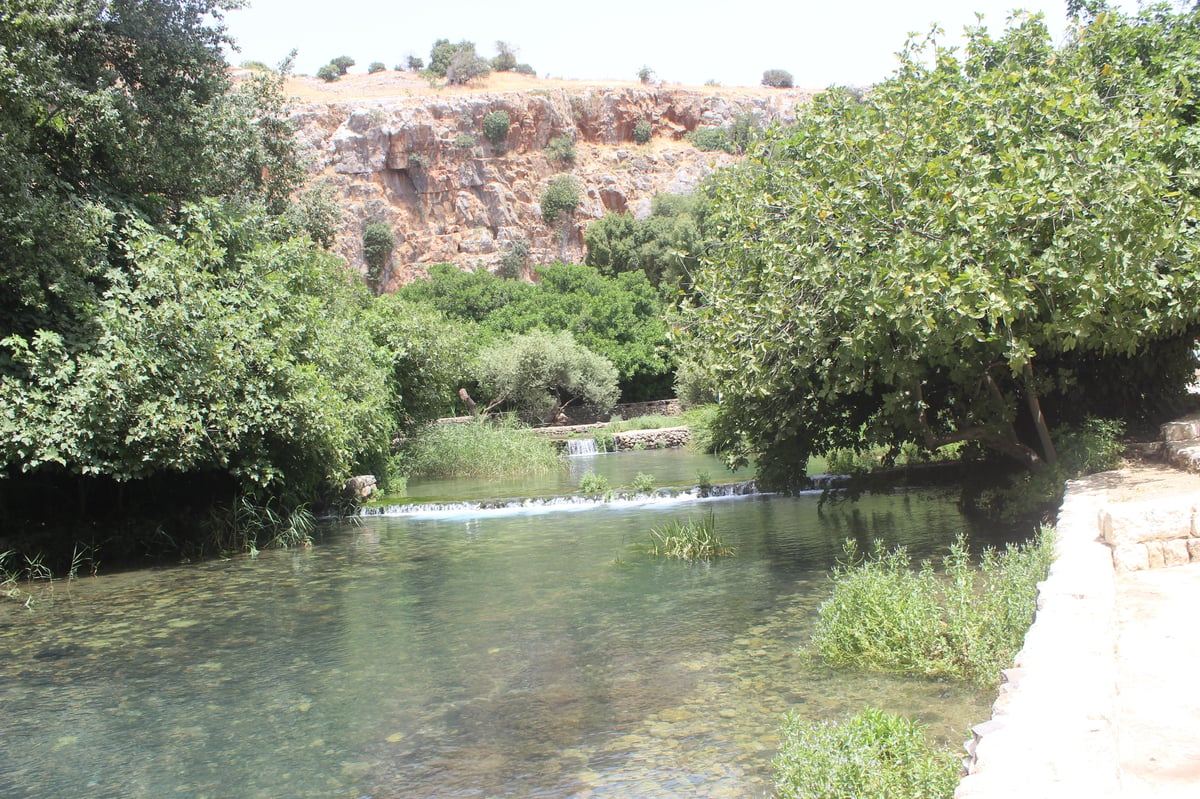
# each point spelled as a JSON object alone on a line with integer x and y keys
{"x": 1175, "y": 553}
{"x": 1130, "y": 558}
{"x": 1193, "y": 545}
{"x": 1154, "y": 554}
{"x": 1151, "y": 520}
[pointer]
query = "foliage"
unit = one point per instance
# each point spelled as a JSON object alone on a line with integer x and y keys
{"x": 441, "y": 54}
{"x": 506, "y": 58}
{"x": 561, "y": 150}
{"x": 645, "y": 74}
{"x": 515, "y": 260}
{"x": 480, "y": 447}
{"x": 465, "y": 141}
{"x": 951, "y": 257}
{"x": 336, "y": 68}
{"x": 539, "y": 374}
{"x": 619, "y": 317}
{"x": 560, "y": 199}
{"x": 592, "y": 483}
{"x": 495, "y": 127}
{"x": 376, "y": 66}
{"x": 248, "y": 526}
{"x": 667, "y": 246}
{"x": 734, "y": 138}
{"x": 699, "y": 421}
{"x": 777, "y": 78}
{"x": 524, "y": 69}
{"x": 690, "y": 540}
{"x": 315, "y": 213}
{"x": 643, "y": 483}
{"x": 642, "y": 131}
{"x": 709, "y": 138}
{"x": 216, "y": 348}
{"x": 414, "y": 63}
{"x": 377, "y": 243}
{"x": 871, "y": 755}
{"x": 691, "y": 386}
{"x": 966, "y": 623}
{"x": 424, "y": 355}
{"x": 466, "y": 65}
{"x": 1094, "y": 445}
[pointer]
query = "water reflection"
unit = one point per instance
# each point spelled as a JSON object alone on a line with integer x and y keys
{"x": 519, "y": 656}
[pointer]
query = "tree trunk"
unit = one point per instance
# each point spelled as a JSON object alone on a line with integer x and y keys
{"x": 1039, "y": 421}
{"x": 470, "y": 403}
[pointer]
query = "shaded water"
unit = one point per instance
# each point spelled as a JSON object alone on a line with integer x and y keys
{"x": 523, "y": 655}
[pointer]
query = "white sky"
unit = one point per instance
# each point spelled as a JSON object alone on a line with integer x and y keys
{"x": 821, "y": 42}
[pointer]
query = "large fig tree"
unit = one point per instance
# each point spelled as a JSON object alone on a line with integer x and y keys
{"x": 970, "y": 252}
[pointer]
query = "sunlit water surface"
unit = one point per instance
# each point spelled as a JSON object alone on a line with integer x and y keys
{"x": 540, "y": 655}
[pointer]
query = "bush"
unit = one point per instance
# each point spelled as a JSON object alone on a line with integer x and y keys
{"x": 414, "y": 63}
{"x": 524, "y": 69}
{"x": 777, "y": 78}
{"x": 376, "y": 66}
{"x": 645, "y": 74}
{"x": 465, "y": 141}
{"x": 515, "y": 259}
{"x": 710, "y": 139}
{"x": 643, "y": 483}
{"x": 538, "y": 374}
{"x": 328, "y": 73}
{"x": 560, "y": 199}
{"x": 479, "y": 448}
{"x": 871, "y": 755}
{"x": 495, "y": 127}
{"x": 642, "y": 131}
{"x": 561, "y": 150}
{"x": 965, "y": 623}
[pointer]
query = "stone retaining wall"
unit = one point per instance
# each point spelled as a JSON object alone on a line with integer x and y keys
{"x": 662, "y": 438}
{"x": 1052, "y": 729}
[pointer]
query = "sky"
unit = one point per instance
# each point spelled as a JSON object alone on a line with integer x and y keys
{"x": 821, "y": 43}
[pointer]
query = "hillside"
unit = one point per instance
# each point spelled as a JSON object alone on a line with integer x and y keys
{"x": 399, "y": 151}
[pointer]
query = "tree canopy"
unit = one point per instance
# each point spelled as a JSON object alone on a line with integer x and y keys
{"x": 957, "y": 254}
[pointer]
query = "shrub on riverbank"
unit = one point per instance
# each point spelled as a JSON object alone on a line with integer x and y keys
{"x": 965, "y": 621}
{"x": 871, "y": 755}
{"x": 478, "y": 448}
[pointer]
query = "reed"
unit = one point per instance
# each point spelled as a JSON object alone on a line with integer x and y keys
{"x": 690, "y": 540}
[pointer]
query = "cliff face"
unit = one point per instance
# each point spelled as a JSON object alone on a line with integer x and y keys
{"x": 408, "y": 161}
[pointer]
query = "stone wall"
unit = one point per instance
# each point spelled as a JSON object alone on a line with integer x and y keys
{"x": 662, "y": 438}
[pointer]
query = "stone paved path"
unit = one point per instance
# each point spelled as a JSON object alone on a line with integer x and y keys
{"x": 1158, "y": 661}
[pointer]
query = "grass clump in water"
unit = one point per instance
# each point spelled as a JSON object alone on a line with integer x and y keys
{"x": 592, "y": 483}
{"x": 479, "y": 448}
{"x": 871, "y": 755}
{"x": 690, "y": 540}
{"x": 964, "y": 622}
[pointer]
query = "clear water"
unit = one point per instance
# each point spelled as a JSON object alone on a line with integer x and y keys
{"x": 540, "y": 655}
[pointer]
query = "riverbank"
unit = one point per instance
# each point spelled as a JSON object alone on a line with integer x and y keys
{"x": 1099, "y": 703}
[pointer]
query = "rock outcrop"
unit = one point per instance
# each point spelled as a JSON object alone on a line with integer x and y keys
{"x": 423, "y": 165}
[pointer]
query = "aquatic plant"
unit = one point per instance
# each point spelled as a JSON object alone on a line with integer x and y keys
{"x": 964, "y": 621}
{"x": 871, "y": 755}
{"x": 690, "y": 540}
{"x": 643, "y": 483}
{"x": 250, "y": 526}
{"x": 592, "y": 483}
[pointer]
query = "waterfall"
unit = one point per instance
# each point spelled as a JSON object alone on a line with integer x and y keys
{"x": 582, "y": 446}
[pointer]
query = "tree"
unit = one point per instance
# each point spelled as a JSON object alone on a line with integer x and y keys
{"x": 645, "y": 74}
{"x": 466, "y": 65}
{"x": 667, "y": 246}
{"x": 953, "y": 257}
{"x": 506, "y": 58}
{"x": 376, "y": 66}
{"x": 414, "y": 63}
{"x": 539, "y": 375}
{"x": 777, "y": 78}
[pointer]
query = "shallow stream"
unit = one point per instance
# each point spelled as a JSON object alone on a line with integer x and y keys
{"x": 457, "y": 655}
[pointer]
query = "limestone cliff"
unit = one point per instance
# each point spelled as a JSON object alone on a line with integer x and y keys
{"x": 409, "y": 161}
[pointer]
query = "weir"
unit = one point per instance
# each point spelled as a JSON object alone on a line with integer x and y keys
{"x": 581, "y": 446}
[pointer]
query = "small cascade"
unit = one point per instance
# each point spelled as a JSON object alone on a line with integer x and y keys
{"x": 581, "y": 446}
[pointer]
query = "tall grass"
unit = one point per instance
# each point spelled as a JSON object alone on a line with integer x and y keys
{"x": 248, "y": 526}
{"x": 479, "y": 448}
{"x": 690, "y": 540}
{"x": 871, "y": 755}
{"x": 963, "y": 621}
